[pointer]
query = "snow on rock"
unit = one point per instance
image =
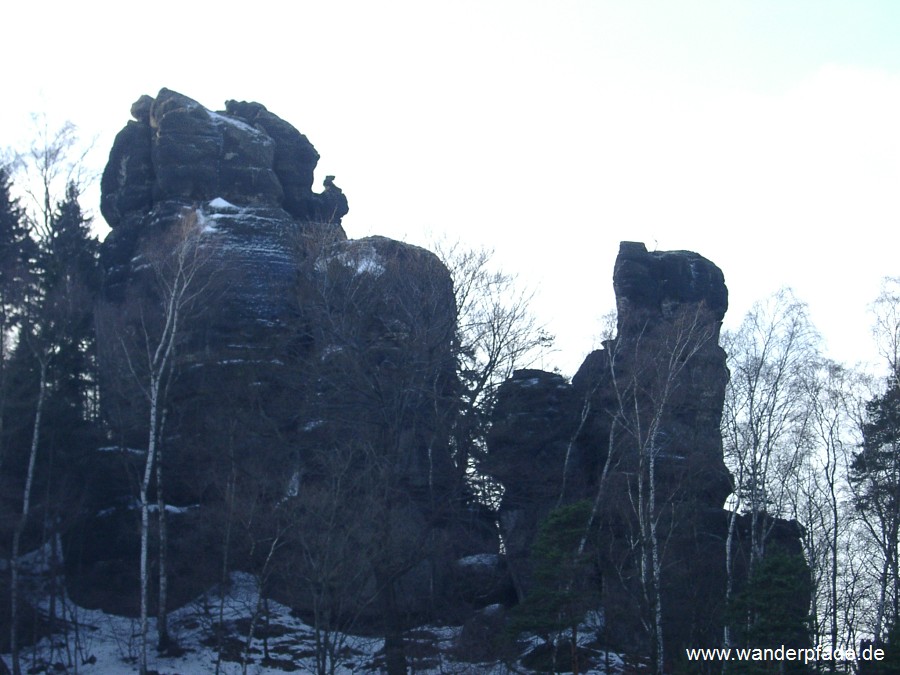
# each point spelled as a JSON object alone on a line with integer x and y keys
{"x": 364, "y": 259}
{"x": 219, "y": 203}
{"x": 369, "y": 265}
{"x": 206, "y": 224}
{"x": 218, "y": 118}
{"x": 293, "y": 488}
{"x": 479, "y": 560}
{"x": 117, "y": 448}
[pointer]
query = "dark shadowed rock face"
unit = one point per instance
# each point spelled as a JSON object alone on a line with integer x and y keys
{"x": 301, "y": 341}
{"x": 659, "y": 281}
{"x": 555, "y": 443}
{"x": 245, "y": 175}
{"x": 668, "y": 301}
{"x": 531, "y": 425}
{"x": 175, "y": 149}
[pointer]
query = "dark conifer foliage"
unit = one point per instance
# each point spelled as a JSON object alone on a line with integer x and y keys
{"x": 766, "y": 615}
{"x": 48, "y": 425}
{"x": 57, "y": 325}
{"x": 875, "y": 473}
{"x": 68, "y": 267}
{"x": 566, "y": 583}
{"x": 18, "y": 256}
{"x": 17, "y": 252}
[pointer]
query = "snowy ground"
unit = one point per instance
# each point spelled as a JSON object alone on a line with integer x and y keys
{"x": 109, "y": 645}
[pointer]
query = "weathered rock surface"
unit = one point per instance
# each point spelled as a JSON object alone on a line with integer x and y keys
{"x": 177, "y": 149}
{"x": 531, "y": 430}
{"x": 659, "y": 282}
{"x": 315, "y": 383}
{"x": 253, "y": 189}
{"x": 303, "y": 350}
{"x": 653, "y": 393}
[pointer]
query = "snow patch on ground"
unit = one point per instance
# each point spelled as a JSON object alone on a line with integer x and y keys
{"x": 104, "y": 644}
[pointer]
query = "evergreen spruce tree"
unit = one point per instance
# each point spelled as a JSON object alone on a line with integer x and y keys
{"x": 17, "y": 254}
{"x": 17, "y": 251}
{"x": 52, "y": 379}
{"x": 57, "y": 328}
{"x": 767, "y": 614}
{"x": 565, "y": 584}
{"x": 70, "y": 280}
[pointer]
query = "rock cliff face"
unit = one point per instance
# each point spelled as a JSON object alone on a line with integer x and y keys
{"x": 652, "y": 395}
{"x": 245, "y": 174}
{"x": 300, "y": 345}
{"x": 670, "y": 306}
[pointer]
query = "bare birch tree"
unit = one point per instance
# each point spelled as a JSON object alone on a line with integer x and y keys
{"x": 886, "y": 324}
{"x": 821, "y": 498}
{"x": 177, "y": 270}
{"x": 496, "y": 334}
{"x": 648, "y": 364}
{"x": 765, "y": 421}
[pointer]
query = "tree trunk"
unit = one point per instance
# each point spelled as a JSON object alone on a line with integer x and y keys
{"x": 226, "y": 548}
{"x": 729, "y": 577}
{"x": 834, "y": 566}
{"x": 394, "y": 652}
{"x": 162, "y": 615}
{"x": 145, "y": 518}
{"x": 20, "y": 527}
{"x": 655, "y": 562}
{"x": 574, "y": 650}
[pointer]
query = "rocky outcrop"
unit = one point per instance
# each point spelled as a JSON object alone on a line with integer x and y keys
{"x": 177, "y": 149}
{"x": 236, "y": 187}
{"x": 670, "y": 306}
{"x": 301, "y": 350}
{"x": 666, "y": 359}
{"x": 656, "y": 284}
{"x": 244, "y": 171}
{"x": 531, "y": 432}
{"x": 314, "y": 395}
{"x": 655, "y": 392}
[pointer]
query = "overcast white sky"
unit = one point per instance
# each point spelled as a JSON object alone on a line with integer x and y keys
{"x": 764, "y": 135}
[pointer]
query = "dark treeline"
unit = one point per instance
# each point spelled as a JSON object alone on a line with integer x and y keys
{"x": 49, "y": 280}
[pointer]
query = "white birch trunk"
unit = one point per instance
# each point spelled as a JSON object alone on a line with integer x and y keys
{"x": 20, "y": 527}
{"x": 145, "y": 517}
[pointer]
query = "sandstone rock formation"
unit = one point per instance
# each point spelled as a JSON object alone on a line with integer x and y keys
{"x": 314, "y": 391}
{"x": 245, "y": 173}
{"x": 302, "y": 345}
{"x": 654, "y": 393}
